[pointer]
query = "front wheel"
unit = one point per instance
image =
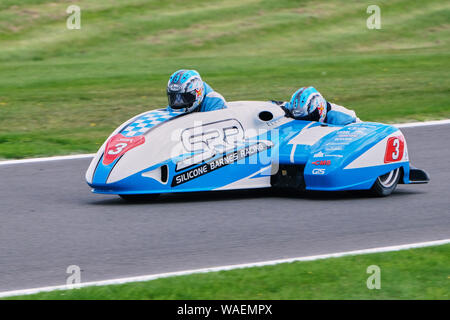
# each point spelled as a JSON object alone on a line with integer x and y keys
{"x": 139, "y": 197}
{"x": 386, "y": 184}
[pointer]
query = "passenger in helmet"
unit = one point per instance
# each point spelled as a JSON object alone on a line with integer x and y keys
{"x": 187, "y": 92}
{"x": 308, "y": 104}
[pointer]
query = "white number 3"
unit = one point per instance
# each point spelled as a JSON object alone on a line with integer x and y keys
{"x": 119, "y": 147}
{"x": 396, "y": 153}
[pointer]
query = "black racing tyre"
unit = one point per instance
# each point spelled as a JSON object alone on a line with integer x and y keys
{"x": 139, "y": 197}
{"x": 386, "y": 183}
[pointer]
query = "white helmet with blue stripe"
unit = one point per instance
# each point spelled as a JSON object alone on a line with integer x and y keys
{"x": 185, "y": 90}
{"x": 308, "y": 104}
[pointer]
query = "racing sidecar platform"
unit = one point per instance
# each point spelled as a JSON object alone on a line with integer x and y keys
{"x": 251, "y": 144}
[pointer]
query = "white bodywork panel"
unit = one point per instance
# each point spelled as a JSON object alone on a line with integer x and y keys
{"x": 309, "y": 136}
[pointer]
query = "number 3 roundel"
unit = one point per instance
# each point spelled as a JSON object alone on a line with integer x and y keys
{"x": 394, "y": 149}
{"x": 118, "y": 145}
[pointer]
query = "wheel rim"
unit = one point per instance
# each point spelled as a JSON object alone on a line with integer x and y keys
{"x": 387, "y": 180}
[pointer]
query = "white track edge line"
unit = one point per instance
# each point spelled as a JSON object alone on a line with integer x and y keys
{"x": 421, "y": 124}
{"x": 222, "y": 268}
{"x": 90, "y": 155}
{"x": 57, "y": 158}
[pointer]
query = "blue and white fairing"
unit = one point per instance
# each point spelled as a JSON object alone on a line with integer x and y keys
{"x": 242, "y": 146}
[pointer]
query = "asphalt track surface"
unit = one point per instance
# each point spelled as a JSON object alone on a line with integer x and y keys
{"x": 50, "y": 220}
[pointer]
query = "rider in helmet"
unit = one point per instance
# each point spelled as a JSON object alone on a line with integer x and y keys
{"x": 308, "y": 104}
{"x": 188, "y": 93}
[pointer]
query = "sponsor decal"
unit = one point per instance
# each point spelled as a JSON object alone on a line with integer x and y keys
{"x": 333, "y": 148}
{"x": 318, "y": 171}
{"x": 118, "y": 145}
{"x": 220, "y": 162}
{"x": 320, "y": 154}
{"x": 321, "y": 162}
{"x": 347, "y": 134}
{"x": 366, "y": 127}
{"x": 199, "y": 92}
{"x": 322, "y": 107}
{"x": 211, "y": 139}
{"x": 343, "y": 139}
{"x": 394, "y": 149}
{"x": 174, "y": 87}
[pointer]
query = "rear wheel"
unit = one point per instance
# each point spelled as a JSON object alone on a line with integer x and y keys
{"x": 386, "y": 184}
{"x": 139, "y": 197}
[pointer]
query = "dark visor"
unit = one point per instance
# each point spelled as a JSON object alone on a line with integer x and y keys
{"x": 180, "y": 100}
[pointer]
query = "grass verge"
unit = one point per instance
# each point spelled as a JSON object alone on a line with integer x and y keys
{"x": 422, "y": 273}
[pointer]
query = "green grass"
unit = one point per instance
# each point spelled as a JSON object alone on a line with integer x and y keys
{"x": 63, "y": 91}
{"x": 410, "y": 274}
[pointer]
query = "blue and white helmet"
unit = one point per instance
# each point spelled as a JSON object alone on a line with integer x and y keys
{"x": 185, "y": 90}
{"x": 308, "y": 103}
